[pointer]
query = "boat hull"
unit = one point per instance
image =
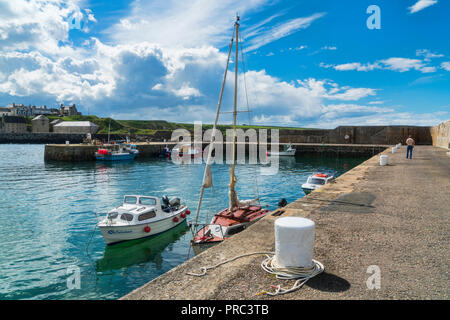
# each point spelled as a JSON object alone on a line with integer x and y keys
{"x": 115, "y": 157}
{"x": 226, "y": 225}
{"x": 115, "y": 234}
{"x": 282, "y": 153}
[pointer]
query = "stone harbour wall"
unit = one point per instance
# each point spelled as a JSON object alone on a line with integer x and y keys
{"x": 441, "y": 135}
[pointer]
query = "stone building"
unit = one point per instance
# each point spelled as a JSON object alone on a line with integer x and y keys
{"x": 75, "y": 127}
{"x": 4, "y": 111}
{"x": 40, "y": 124}
{"x": 29, "y": 111}
{"x": 53, "y": 123}
{"x": 13, "y": 124}
{"x": 68, "y": 110}
{"x": 19, "y": 110}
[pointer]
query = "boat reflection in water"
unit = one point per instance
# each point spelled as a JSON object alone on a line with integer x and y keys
{"x": 129, "y": 253}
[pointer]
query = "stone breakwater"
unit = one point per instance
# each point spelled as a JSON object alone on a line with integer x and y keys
{"x": 340, "y": 135}
{"x": 85, "y": 152}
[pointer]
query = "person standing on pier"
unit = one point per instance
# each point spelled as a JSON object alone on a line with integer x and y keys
{"x": 409, "y": 147}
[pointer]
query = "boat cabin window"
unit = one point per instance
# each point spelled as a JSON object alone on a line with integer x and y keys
{"x": 126, "y": 217}
{"x": 112, "y": 215}
{"x": 130, "y": 200}
{"x": 147, "y": 201}
{"x": 316, "y": 181}
{"x": 147, "y": 215}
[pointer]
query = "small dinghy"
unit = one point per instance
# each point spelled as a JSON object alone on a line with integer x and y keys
{"x": 315, "y": 181}
{"x": 288, "y": 150}
{"x": 140, "y": 217}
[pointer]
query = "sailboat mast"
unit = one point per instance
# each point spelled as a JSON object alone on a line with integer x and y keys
{"x": 233, "y": 179}
{"x": 213, "y": 134}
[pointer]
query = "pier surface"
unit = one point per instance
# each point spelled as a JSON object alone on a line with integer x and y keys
{"x": 395, "y": 217}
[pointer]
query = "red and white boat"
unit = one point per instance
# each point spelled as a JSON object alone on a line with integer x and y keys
{"x": 225, "y": 224}
{"x": 239, "y": 214}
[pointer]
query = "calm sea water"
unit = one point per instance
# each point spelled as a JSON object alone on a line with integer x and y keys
{"x": 47, "y": 218}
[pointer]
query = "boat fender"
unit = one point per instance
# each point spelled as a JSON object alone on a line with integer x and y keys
{"x": 188, "y": 212}
{"x": 175, "y": 219}
{"x": 147, "y": 229}
{"x": 183, "y": 215}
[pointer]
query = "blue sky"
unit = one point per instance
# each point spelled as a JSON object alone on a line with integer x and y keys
{"x": 308, "y": 63}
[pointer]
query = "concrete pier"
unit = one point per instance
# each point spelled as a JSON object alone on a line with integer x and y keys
{"x": 85, "y": 152}
{"x": 394, "y": 217}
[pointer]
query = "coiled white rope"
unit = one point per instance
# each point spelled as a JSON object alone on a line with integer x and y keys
{"x": 289, "y": 273}
{"x": 270, "y": 265}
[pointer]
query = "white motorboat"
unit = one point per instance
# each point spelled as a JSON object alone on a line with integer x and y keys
{"x": 288, "y": 150}
{"x": 140, "y": 217}
{"x": 187, "y": 149}
{"x": 315, "y": 181}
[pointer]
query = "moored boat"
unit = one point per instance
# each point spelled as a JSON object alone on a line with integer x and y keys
{"x": 316, "y": 180}
{"x": 141, "y": 216}
{"x": 122, "y": 151}
{"x": 187, "y": 150}
{"x": 239, "y": 214}
{"x": 225, "y": 224}
{"x": 288, "y": 150}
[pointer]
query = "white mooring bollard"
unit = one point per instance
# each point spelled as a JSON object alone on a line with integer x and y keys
{"x": 383, "y": 160}
{"x": 294, "y": 242}
{"x": 394, "y": 149}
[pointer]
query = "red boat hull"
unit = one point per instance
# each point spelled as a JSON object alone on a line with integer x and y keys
{"x": 232, "y": 222}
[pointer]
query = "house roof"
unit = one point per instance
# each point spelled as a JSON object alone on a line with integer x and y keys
{"x": 76, "y": 124}
{"x": 40, "y": 117}
{"x": 14, "y": 119}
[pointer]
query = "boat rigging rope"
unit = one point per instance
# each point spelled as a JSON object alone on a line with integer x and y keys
{"x": 248, "y": 108}
{"x": 270, "y": 266}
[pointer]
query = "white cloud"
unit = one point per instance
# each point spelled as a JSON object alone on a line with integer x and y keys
{"x": 421, "y": 4}
{"x": 281, "y": 30}
{"x": 356, "y": 66}
{"x": 329, "y": 48}
{"x": 381, "y": 117}
{"x": 394, "y": 64}
{"x": 41, "y": 25}
{"x": 427, "y": 54}
{"x": 179, "y": 23}
{"x": 445, "y": 65}
{"x": 406, "y": 64}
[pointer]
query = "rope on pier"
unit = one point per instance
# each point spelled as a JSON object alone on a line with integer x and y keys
{"x": 270, "y": 265}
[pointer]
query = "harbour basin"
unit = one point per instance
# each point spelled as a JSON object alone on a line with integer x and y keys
{"x": 48, "y": 213}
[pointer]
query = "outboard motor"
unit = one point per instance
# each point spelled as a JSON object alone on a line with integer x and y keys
{"x": 165, "y": 205}
{"x": 282, "y": 203}
{"x": 165, "y": 200}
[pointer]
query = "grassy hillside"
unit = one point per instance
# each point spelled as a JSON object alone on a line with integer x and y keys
{"x": 150, "y": 127}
